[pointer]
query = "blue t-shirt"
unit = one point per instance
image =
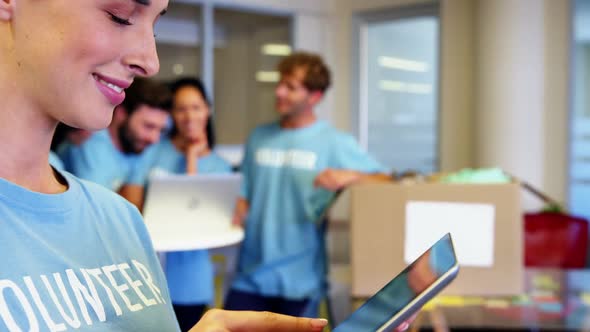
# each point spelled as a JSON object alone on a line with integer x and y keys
{"x": 189, "y": 273}
{"x": 99, "y": 161}
{"x": 282, "y": 253}
{"x": 81, "y": 260}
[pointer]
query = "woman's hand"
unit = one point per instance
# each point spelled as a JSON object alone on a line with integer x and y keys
{"x": 194, "y": 150}
{"x": 197, "y": 148}
{"x": 216, "y": 320}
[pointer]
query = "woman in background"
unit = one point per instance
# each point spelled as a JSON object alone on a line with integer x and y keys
{"x": 189, "y": 150}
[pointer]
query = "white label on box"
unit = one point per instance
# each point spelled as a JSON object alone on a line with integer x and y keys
{"x": 471, "y": 227}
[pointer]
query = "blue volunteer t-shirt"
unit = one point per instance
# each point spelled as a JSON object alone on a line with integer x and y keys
{"x": 189, "y": 273}
{"x": 99, "y": 161}
{"x": 282, "y": 253}
{"x": 79, "y": 260}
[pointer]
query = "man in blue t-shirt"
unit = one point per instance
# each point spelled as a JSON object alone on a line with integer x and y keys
{"x": 291, "y": 170}
{"x": 120, "y": 156}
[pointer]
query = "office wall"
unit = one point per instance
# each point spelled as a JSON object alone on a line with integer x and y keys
{"x": 457, "y": 101}
{"x": 558, "y": 97}
{"x": 522, "y": 101}
{"x": 510, "y": 86}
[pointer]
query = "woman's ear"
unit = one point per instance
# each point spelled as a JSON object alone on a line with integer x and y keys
{"x": 6, "y": 9}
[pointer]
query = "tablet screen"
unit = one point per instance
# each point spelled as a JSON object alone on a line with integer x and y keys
{"x": 404, "y": 288}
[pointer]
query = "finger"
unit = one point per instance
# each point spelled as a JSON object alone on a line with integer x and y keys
{"x": 402, "y": 327}
{"x": 406, "y": 324}
{"x": 238, "y": 321}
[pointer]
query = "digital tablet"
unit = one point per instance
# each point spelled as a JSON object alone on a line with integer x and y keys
{"x": 405, "y": 294}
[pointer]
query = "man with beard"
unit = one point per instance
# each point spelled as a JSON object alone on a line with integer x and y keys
{"x": 119, "y": 156}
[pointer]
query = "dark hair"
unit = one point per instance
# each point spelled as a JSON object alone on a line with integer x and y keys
{"x": 197, "y": 84}
{"x": 147, "y": 92}
{"x": 317, "y": 75}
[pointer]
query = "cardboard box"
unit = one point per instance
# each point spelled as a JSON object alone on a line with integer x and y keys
{"x": 379, "y": 225}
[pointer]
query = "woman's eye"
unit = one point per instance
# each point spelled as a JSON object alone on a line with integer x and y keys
{"x": 119, "y": 20}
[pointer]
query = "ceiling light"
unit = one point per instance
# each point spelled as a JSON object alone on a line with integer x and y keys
{"x": 267, "y": 76}
{"x": 402, "y": 64}
{"x": 276, "y": 49}
{"x": 405, "y": 87}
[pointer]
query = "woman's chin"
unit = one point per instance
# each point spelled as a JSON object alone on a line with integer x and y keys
{"x": 192, "y": 138}
{"x": 92, "y": 124}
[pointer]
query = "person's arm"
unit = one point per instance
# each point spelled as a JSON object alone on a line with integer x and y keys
{"x": 337, "y": 179}
{"x": 240, "y": 211}
{"x": 134, "y": 194}
{"x": 349, "y": 164}
{"x": 216, "y": 320}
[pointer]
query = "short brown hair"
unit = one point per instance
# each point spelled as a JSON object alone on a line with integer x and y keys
{"x": 147, "y": 92}
{"x": 317, "y": 74}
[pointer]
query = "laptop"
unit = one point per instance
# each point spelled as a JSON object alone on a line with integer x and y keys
{"x": 191, "y": 212}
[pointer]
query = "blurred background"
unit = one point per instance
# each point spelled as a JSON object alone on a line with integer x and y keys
{"x": 425, "y": 86}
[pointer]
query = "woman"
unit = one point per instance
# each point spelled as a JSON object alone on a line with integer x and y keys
{"x": 188, "y": 150}
{"x": 79, "y": 255}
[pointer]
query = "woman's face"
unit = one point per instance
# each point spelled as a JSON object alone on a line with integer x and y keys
{"x": 190, "y": 113}
{"x": 73, "y": 59}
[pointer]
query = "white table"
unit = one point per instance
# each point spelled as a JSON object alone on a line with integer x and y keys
{"x": 192, "y": 236}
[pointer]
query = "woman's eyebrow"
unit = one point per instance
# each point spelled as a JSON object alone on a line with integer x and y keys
{"x": 147, "y": 3}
